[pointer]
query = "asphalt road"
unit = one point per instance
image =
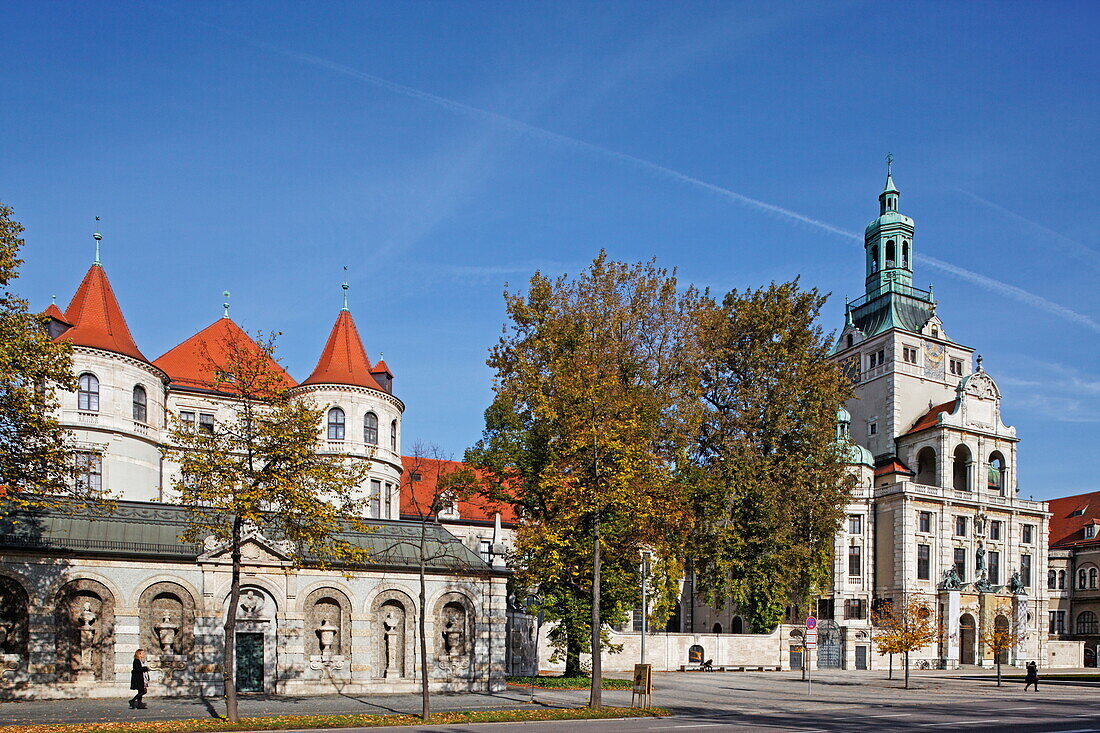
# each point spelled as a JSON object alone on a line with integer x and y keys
{"x": 771, "y": 702}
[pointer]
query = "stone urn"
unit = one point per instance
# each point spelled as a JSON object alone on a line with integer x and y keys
{"x": 326, "y": 634}
{"x": 167, "y": 631}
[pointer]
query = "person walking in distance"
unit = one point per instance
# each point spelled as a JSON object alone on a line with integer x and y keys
{"x": 139, "y": 680}
{"x": 1031, "y": 677}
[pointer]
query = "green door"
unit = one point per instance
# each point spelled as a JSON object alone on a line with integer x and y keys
{"x": 250, "y": 662}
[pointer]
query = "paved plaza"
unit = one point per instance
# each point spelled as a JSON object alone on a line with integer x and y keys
{"x": 769, "y": 701}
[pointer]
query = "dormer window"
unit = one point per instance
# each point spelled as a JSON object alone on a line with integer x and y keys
{"x": 1090, "y": 531}
{"x": 1078, "y": 512}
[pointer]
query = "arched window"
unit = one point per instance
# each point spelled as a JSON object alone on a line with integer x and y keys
{"x": 960, "y": 469}
{"x": 1061, "y": 580}
{"x": 141, "y": 405}
{"x": 1086, "y": 623}
{"x": 370, "y": 429}
{"x": 995, "y": 481}
{"x": 874, "y": 259}
{"x": 738, "y": 625}
{"x": 891, "y": 253}
{"x": 393, "y": 436}
{"x": 87, "y": 398}
{"x": 926, "y": 467}
{"x": 1092, "y": 578}
{"x": 1052, "y": 579}
{"x": 905, "y": 255}
{"x": 716, "y": 629}
{"x": 336, "y": 424}
{"x": 849, "y": 339}
{"x": 1082, "y": 579}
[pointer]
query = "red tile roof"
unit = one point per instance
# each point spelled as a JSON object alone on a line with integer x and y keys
{"x": 1067, "y": 530}
{"x": 191, "y": 364}
{"x": 55, "y": 313}
{"x": 932, "y": 418}
{"x": 892, "y": 466}
{"x": 381, "y": 368}
{"x": 343, "y": 360}
{"x": 416, "y": 496}
{"x": 97, "y": 319}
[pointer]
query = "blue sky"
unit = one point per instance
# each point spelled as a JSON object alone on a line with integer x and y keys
{"x": 442, "y": 149}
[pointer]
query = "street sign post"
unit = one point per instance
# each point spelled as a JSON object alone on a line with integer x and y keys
{"x": 810, "y": 642}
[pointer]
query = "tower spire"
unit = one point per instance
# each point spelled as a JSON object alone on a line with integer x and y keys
{"x": 98, "y": 238}
{"x": 344, "y": 287}
{"x": 225, "y": 304}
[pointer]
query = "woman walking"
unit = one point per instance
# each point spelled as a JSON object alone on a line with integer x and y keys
{"x": 1031, "y": 677}
{"x": 139, "y": 680}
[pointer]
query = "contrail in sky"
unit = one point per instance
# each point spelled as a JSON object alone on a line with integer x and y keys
{"x": 1010, "y": 291}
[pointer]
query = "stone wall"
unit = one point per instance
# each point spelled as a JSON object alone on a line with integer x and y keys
{"x": 1065, "y": 654}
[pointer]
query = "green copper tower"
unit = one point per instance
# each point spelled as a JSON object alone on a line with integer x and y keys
{"x": 889, "y": 241}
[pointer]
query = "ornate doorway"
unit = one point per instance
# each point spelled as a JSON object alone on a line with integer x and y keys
{"x": 830, "y": 649}
{"x": 250, "y": 662}
{"x": 968, "y": 637}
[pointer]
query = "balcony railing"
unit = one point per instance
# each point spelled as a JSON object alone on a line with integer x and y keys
{"x": 892, "y": 287}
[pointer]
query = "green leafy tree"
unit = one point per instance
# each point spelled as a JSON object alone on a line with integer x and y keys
{"x": 36, "y": 468}
{"x": 771, "y": 485}
{"x": 587, "y": 437}
{"x": 258, "y": 469}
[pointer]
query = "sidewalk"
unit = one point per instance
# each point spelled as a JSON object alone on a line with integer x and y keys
{"x": 90, "y": 710}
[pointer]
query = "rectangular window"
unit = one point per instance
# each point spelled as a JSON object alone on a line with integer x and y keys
{"x": 1090, "y": 531}
{"x": 206, "y": 423}
{"x": 957, "y": 367}
{"x": 960, "y": 562}
{"x": 375, "y": 496}
{"x": 854, "y": 608}
{"x": 994, "y": 530}
{"x": 188, "y": 419}
{"x": 924, "y": 522}
{"x": 924, "y": 562}
{"x": 994, "y": 559}
{"x": 855, "y": 561}
{"x": 855, "y": 524}
{"x": 825, "y": 608}
{"x": 1025, "y": 570}
{"x": 909, "y": 353}
{"x": 89, "y": 471}
{"x": 1027, "y": 534}
{"x": 484, "y": 548}
{"x": 877, "y": 358}
{"x": 388, "y": 502}
{"x": 872, "y": 428}
{"x": 960, "y": 526}
{"x": 1060, "y": 622}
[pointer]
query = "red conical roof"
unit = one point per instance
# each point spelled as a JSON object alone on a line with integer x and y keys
{"x": 381, "y": 368}
{"x": 191, "y": 364}
{"x": 55, "y": 313}
{"x": 96, "y": 317}
{"x": 344, "y": 360}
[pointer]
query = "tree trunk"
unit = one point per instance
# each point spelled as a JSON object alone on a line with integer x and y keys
{"x": 907, "y": 669}
{"x": 891, "y": 666}
{"x": 998, "y": 670}
{"x": 229, "y": 665}
{"x": 595, "y": 699}
{"x": 422, "y": 622}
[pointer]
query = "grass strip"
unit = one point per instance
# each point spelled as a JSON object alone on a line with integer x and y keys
{"x": 570, "y": 683}
{"x": 293, "y": 722}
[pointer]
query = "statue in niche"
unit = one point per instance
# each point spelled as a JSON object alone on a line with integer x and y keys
{"x": 86, "y": 621}
{"x": 166, "y": 633}
{"x": 326, "y": 633}
{"x": 251, "y": 603}
{"x": 454, "y": 632}
{"x": 390, "y": 621}
{"x": 981, "y": 560}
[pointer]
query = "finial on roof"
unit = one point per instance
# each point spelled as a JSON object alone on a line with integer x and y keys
{"x": 889, "y": 162}
{"x": 381, "y": 356}
{"x": 97, "y": 237}
{"x": 979, "y": 362}
{"x": 53, "y": 300}
{"x": 344, "y": 287}
{"x": 225, "y": 305}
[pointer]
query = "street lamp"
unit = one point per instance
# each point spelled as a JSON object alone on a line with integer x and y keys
{"x": 646, "y": 556}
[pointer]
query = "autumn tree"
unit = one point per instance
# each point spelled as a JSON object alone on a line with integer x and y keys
{"x": 36, "y": 467}
{"x": 772, "y": 481}
{"x": 1002, "y": 636}
{"x": 431, "y": 484}
{"x": 257, "y": 469}
{"x": 587, "y": 437}
{"x": 904, "y": 627}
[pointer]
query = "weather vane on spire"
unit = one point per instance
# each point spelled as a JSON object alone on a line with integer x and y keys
{"x": 889, "y": 162}
{"x": 97, "y": 237}
{"x": 225, "y": 305}
{"x": 344, "y": 287}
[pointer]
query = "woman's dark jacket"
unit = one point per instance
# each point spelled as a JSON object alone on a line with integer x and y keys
{"x": 137, "y": 677}
{"x": 1032, "y": 673}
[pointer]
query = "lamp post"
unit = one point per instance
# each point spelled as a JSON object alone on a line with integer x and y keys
{"x": 646, "y": 555}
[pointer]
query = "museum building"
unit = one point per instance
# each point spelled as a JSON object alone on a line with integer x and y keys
{"x": 81, "y": 590}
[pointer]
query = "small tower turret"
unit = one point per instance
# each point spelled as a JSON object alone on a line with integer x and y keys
{"x": 889, "y": 241}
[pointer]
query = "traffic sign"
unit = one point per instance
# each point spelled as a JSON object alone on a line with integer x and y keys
{"x": 811, "y": 622}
